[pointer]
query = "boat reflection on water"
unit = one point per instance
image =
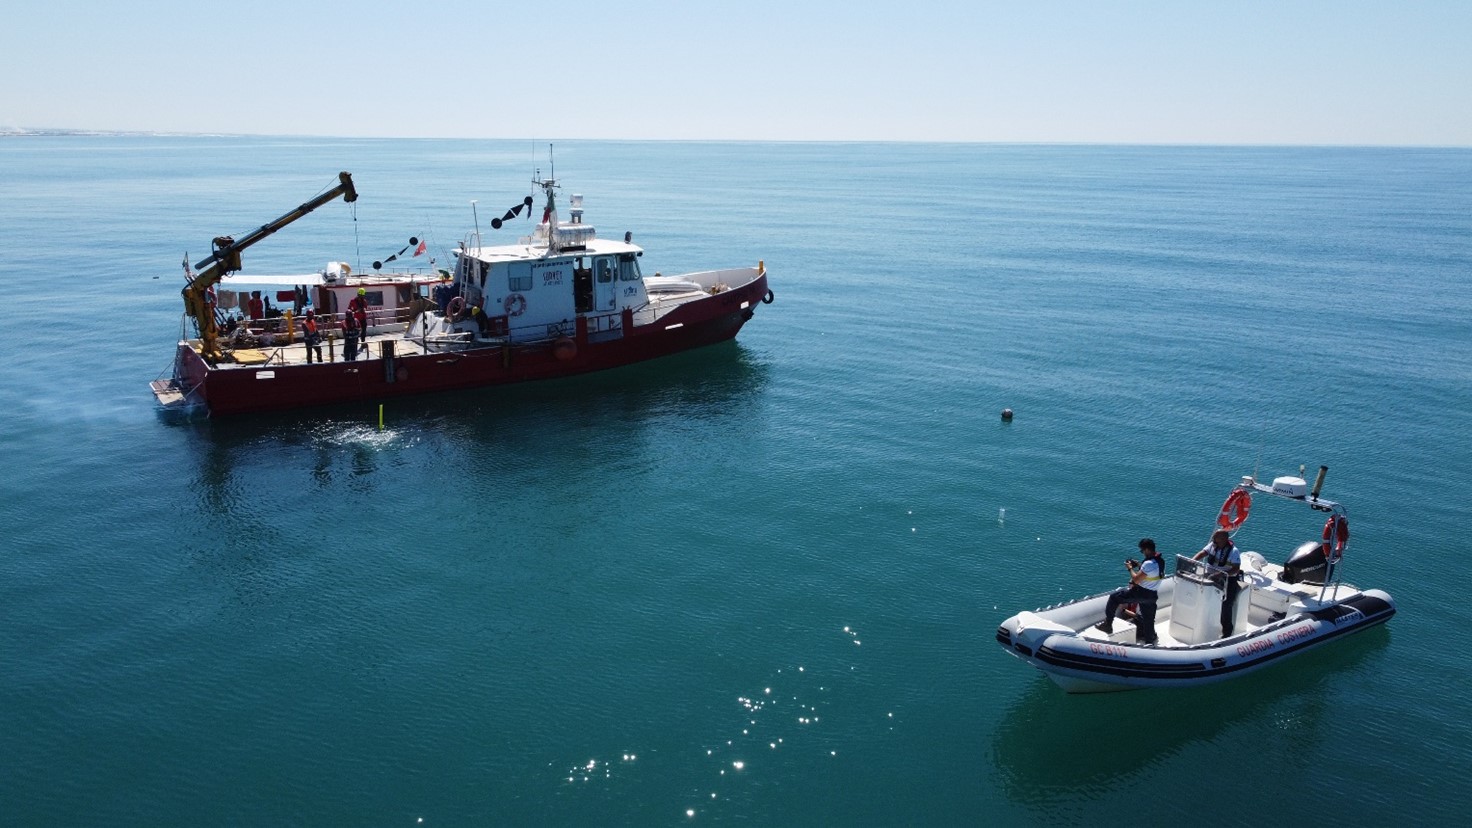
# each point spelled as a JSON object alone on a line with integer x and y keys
{"x": 494, "y": 435}
{"x": 1058, "y": 751}
{"x": 455, "y": 486}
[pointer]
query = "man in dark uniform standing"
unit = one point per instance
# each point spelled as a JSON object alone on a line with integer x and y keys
{"x": 350, "y": 337}
{"x": 1223, "y": 554}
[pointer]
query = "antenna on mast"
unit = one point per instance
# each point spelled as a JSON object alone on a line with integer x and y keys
{"x": 536, "y": 172}
{"x": 475, "y": 216}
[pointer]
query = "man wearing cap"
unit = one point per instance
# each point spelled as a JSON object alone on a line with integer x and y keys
{"x": 1225, "y": 556}
{"x": 359, "y": 308}
{"x": 1144, "y": 589}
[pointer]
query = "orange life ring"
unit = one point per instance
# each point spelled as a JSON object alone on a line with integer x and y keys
{"x": 455, "y": 308}
{"x": 1234, "y": 511}
{"x": 1336, "y": 537}
{"x": 515, "y": 304}
{"x": 564, "y": 348}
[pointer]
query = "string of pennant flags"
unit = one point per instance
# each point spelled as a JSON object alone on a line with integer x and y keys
{"x": 512, "y": 213}
{"x": 419, "y": 245}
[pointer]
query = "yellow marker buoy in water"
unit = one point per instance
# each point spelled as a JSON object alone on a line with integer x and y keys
{"x": 380, "y": 416}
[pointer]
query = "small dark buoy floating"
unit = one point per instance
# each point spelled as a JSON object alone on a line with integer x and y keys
{"x": 1007, "y": 415}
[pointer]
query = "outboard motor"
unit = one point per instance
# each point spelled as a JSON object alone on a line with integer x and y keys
{"x": 1307, "y": 564}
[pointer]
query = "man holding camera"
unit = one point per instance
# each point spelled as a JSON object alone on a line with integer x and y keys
{"x": 1143, "y": 590}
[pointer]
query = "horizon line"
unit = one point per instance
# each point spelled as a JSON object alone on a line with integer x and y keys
{"x": 63, "y": 132}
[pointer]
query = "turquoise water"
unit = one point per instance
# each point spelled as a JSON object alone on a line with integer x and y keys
{"x": 757, "y": 583}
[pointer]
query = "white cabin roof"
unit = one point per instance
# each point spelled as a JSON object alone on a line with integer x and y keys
{"x": 526, "y": 252}
{"x": 236, "y": 280}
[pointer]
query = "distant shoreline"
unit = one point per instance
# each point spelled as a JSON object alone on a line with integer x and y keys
{"x": 27, "y": 132}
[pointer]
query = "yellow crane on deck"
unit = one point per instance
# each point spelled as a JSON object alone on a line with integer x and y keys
{"x": 226, "y": 260}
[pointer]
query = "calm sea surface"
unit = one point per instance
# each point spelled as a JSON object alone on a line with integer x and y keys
{"x": 757, "y": 583}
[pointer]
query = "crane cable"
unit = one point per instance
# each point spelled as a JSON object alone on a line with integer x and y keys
{"x": 357, "y": 245}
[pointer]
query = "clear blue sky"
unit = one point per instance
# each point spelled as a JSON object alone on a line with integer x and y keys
{"x": 1391, "y": 72}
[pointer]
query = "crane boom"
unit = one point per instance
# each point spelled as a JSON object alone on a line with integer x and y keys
{"x": 225, "y": 259}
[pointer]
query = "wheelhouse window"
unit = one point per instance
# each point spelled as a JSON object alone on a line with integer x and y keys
{"x": 520, "y": 281}
{"x": 603, "y": 270}
{"x": 628, "y": 268}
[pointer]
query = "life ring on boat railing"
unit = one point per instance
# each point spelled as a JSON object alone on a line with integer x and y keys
{"x": 767, "y": 299}
{"x": 515, "y": 304}
{"x": 456, "y": 307}
{"x": 1336, "y": 537}
{"x": 1234, "y": 511}
{"x": 564, "y": 348}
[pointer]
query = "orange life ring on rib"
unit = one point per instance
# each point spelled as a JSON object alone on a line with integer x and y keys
{"x": 515, "y": 304}
{"x": 1336, "y": 537}
{"x": 1234, "y": 511}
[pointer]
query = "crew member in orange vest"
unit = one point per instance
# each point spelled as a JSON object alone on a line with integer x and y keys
{"x": 311, "y": 337}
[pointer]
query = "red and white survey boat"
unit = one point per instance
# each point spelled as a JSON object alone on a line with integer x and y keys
{"x": 1281, "y": 610}
{"x": 557, "y": 302}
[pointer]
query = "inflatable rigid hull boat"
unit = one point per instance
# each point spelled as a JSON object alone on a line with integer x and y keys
{"x": 1280, "y": 611}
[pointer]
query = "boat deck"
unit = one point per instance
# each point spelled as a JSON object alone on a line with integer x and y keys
{"x": 266, "y": 356}
{"x": 665, "y": 295}
{"x": 1265, "y": 602}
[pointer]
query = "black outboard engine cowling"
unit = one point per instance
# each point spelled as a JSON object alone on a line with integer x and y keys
{"x": 1307, "y": 564}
